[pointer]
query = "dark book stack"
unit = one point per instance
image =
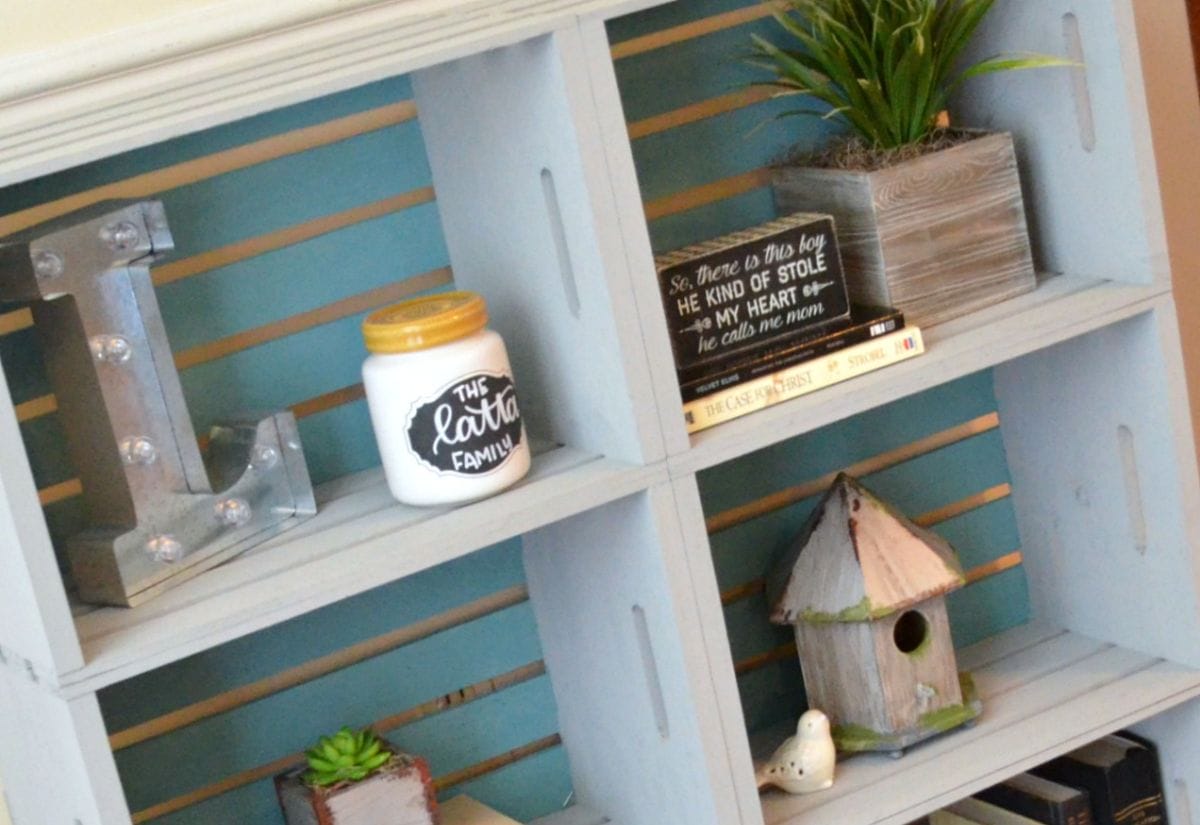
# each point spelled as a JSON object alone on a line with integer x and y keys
{"x": 1041, "y": 800}
{"x": 864, "y": 323}
{"x": 1121, "y": 776}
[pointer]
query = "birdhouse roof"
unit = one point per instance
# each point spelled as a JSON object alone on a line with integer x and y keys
{"x": 858, "y": 559}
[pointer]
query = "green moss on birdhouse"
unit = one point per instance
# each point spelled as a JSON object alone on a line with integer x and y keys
{"x": 857, "y": 738}
{"x": 951, "y": 716}
{"x": 864, "y": 611}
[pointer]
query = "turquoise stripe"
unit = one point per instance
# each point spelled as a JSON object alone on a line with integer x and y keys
{"x": 206, "y": 142}
{"x": 279, "y": 193}
{"x": 302, "y": 277}
{"x": 712, "y": 220}
{"x": 356, "y": 696}
{"x": 988, "y": 607}
{"x": 772, "y": 694}
{"x": 21, "y": 355}
{"x": 691, "y": 71}
{"x": 312, "y": 635}
{"x": 831, "y": 447}
{"x": 339, "y": 442}
{"x": 529, "y": 789}
{"x": 668, "y": 16}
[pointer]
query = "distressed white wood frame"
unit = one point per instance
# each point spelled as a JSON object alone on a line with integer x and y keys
{"x": 1088, "y": 378}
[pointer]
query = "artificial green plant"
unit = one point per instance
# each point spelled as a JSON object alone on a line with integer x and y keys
{"x": 347, "y": 756}
{"x": 886, "y": 68}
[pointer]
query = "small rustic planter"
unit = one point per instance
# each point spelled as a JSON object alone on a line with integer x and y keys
{"x": 400, "y": 794}
{"x": 937, "y": 236}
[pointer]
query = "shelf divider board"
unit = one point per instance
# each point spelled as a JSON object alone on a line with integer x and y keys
{"x": 61, "y": 107}
{"x": 58, "y": 766}
{"x": 35, "y": 620}
{"x": 618, "y": 626}
{"x": 1044, "y": 692}
{"x": 1101, "y": 453}
{"x": 1174, "y": 734}
{"x": 630, "y": 217}
{"x": 515, "y": 143}
{"x": 725, "y": 706}
{"x": 356, "y": 542}
{"x": 1061, "y": 307}
{"x": 1082, "y": 134}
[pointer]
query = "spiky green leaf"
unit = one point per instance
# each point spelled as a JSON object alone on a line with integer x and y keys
{"x": 885, "y": 67}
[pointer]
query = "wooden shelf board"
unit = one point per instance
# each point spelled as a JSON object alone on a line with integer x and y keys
{"x": 1044, "y": 690}
{"x": 360, "y": 539}
{"x": 1062, "y": 307}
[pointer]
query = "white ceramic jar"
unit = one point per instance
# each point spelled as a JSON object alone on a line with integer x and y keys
{"x": 442, "y": 400}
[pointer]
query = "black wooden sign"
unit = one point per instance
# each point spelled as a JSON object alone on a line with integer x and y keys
{"x": 731, "y": 296}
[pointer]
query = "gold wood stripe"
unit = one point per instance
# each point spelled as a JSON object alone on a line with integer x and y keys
{"x": 346, "y": 395}
{"x": 744, "y": 591}
{"x": 698, "y": 111}
{"x": 957, "y": 508}
{"x": 782, "y": 652}
{"x": 316, "y": 668}
{"x": 312, "y": 406}
{"x": 967, "y": 504}
{"x": 47, "y": 404}
{"x": 689, "y": 31}
{"x": 59, "y": 492}
{"x": 461, "y": 697}
{"x": 270, "y": 769}
{"x": 443, "y": 783}
{"x": 708, "y": 193}
{"x": 36, "y": 407}
{"x": 991, "y": 568}
{"x": 230, "y": 160}
{"x": 15, "y": 321}
{"x": 763, "y": 659}
{"x": 790, "y": 495}
{"x": 307, "y": 320}
{"x": 289, "y": 236}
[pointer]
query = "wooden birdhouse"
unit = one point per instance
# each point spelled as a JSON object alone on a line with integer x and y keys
{"x": 864, "y": 587}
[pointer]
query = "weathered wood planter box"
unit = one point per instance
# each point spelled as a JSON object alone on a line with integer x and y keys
{"x": 938, "y": 236}
{"x": 400, "y": 794}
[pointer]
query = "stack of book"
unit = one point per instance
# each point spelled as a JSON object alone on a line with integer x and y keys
{"x": 764, "y": 315}
{"x": 872, "y": 338}
{"x": 1112, "y": 781}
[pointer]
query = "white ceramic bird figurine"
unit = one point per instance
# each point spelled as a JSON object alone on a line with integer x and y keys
{"x": 804, "y": 762}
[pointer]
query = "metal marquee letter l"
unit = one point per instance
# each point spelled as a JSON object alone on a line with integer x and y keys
{"x": 158, "y": 511}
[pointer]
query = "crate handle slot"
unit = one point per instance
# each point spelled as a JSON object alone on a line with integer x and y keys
{"x": 1133, "y": 488}
{"x": 1079, "y": 83}
{"x": 650, "y": 668}
{"x": 558, "y": 230}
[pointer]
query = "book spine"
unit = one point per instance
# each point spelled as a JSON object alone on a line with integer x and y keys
{"x": 1073, "y": 811}
{"x": 801, "y": 379}
{"x": 802, "y": 350}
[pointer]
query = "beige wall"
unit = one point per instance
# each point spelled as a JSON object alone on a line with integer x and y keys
{"x": 28, "y": 25}
{"x": 1175, "y": 121}
{"x": 4, "y": 820}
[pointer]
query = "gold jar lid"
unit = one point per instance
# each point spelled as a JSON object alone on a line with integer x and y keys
{"x": 424, "y": 322}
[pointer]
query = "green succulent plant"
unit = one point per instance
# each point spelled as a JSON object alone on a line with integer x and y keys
{"x": 347, "y": 756}
{"x": 885, "y": 67}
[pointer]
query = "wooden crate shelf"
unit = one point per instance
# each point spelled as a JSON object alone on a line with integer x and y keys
{"x": 1045, "y": 691}
{"x": 360, "y": 539}
{"x": 1062, "y": 307}
{"x": 529, "y": 151}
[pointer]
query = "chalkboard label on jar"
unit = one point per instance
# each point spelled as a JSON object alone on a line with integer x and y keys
{"x": 470, "y": 428}
{"x": 733, "y": 296}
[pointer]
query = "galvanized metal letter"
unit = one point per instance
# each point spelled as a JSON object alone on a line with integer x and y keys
{"x": 158, "y": 510}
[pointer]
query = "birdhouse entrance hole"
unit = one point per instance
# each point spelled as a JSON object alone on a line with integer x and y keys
{"x": 910, "y": 631}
